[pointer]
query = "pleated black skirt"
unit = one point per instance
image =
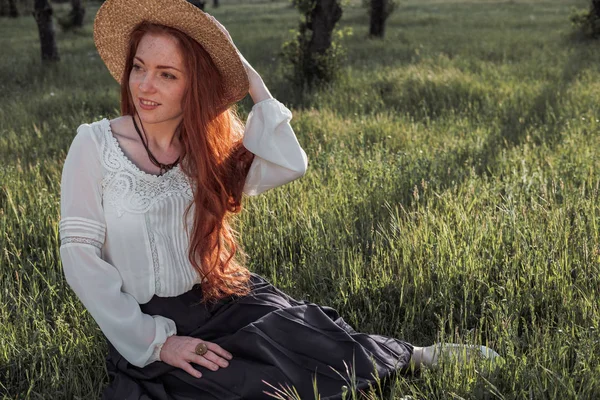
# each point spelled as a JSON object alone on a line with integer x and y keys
{"x": 273, "y": 338}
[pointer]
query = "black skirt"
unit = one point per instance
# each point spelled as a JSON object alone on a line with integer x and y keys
{"x": 273, "y": 338}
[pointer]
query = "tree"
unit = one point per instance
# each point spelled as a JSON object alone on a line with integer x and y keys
{"x": 323, "y": 18}
{"x": 42, "y": 13}
{"x": 588, "y": 21}
{"x": 75, "y": 17}
{"x": 13, "y": 11}
{"x": 215, "y": 3}
{"x": 9, "y": 8}
{"x": 313, "y": 54}
{"x": 77, "y": 13}
{"x": 379, "y": 11}
{"x": 3, "y": 8}
{"x": 198, "y": 3}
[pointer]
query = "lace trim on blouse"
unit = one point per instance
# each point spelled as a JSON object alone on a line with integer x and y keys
{"x": 81, "y": 230}
{"x": 127, "y": 188}
{"x": 79, "y": 239}
{"x": 154, "y": 252}
{"x": 156, "y": 352}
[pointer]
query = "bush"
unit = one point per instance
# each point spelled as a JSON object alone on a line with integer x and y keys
{"x": 587, "y": 22}
{"x": 304, "y": 68}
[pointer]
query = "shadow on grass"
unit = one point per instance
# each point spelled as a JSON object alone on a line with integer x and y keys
{"x": 539, "y": 120}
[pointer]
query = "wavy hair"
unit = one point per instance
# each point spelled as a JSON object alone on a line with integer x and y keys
{"x": 215, "y": 160}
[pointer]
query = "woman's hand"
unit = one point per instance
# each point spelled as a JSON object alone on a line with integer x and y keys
{"x": 249, "y": 69}
{"x": 257, "y": 89}
{"x": 180, "y": 351}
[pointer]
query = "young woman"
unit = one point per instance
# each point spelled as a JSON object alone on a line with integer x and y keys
{"x": 145, "y": 239}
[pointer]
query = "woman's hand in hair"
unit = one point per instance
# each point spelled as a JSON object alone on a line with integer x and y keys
{"x": 257, "y": 89}
{"x": 249, "y": 69}
{"x": 179, "y": 351}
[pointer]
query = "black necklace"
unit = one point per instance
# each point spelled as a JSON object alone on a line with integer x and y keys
{"x": 165, "y": 167}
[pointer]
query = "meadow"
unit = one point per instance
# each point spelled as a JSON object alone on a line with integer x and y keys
{"x": 452, "y": 194}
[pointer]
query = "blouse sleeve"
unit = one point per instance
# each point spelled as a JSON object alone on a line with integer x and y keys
{"x": 98, "y": 284}
{"x": 278, "y": 157}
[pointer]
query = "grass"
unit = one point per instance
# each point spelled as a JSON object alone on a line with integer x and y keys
{"x": 452, "y": 194}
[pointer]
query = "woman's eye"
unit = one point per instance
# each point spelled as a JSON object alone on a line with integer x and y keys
{"x": 165, "y": 74}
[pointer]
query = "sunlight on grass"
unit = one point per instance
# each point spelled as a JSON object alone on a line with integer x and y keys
{"x": 452, "y": 195}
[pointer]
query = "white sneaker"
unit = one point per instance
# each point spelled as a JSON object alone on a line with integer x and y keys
{"x": 462, "y": 352}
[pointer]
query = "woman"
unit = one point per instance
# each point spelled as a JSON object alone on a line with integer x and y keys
{"x": 145, "y": 239}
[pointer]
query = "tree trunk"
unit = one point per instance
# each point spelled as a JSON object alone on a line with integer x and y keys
{"x": 3, "y": 8}
{"x": 596, "y": 8}
{"x": 377, "y": 25}
{"x": 198, "y": 3}
{"x": 323, "y": 19}
{"x": 77, "y": 13}
{"x": 215, "y": 3}
{"x": 43, "y": 17}
{"x": 13, "y": 11}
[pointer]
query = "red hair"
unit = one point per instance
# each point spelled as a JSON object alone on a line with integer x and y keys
{"x": 213, "y": 157}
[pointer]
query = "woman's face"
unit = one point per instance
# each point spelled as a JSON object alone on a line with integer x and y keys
{"x": 158, "y": 75}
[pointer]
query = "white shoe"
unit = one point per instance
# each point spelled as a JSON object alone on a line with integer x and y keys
{"x": 462, "y": 352}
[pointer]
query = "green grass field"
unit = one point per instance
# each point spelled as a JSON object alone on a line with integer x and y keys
{"x": 452, "y": 194}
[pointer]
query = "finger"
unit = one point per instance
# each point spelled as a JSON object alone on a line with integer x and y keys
{"x": 218, "y": 350}
{"x": 205, "y": 362}
{"x": 186, "y": 366}
{"x": 220, "y": 361}
{"x": 220, "y": 25}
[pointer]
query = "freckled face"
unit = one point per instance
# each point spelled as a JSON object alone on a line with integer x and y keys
{"x": 158, "y": 75}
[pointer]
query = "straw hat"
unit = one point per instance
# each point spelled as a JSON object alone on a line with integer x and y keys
{"x": 116, "y": 19}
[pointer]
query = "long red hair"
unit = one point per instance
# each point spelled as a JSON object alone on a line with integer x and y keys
{"x": 213, "y": 157}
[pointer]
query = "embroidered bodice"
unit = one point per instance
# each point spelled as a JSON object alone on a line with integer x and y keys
{"x": 127, "y": 188}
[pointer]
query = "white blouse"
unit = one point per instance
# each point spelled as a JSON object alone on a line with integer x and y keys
{"x": 122, "y": 231}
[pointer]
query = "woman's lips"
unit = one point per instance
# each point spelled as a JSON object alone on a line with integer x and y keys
{"x": 146, "y": 107}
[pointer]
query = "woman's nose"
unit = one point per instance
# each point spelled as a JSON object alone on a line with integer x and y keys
{"x": 146, "y": 83}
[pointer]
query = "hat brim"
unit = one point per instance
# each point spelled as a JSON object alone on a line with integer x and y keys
{"x": 116, "y": 19}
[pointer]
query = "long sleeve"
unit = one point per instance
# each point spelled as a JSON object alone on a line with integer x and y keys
{"x": 278, "y": 159}
{"x": 137, "y": 336}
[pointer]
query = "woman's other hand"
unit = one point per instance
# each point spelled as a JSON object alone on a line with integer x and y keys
{"x": 180, "y": 352}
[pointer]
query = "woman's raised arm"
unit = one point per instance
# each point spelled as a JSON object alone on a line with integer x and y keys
{"x": 279, "y": 158}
